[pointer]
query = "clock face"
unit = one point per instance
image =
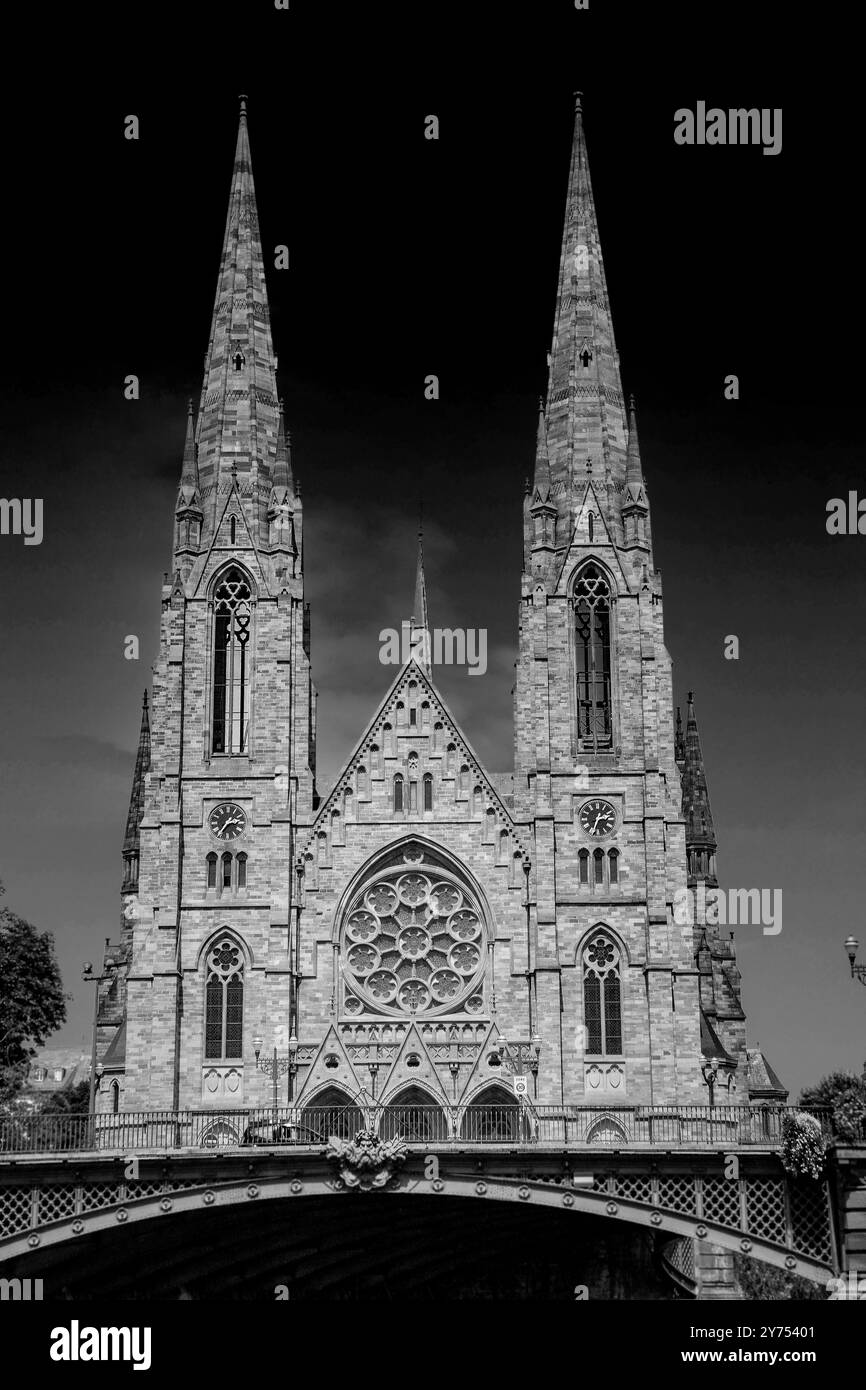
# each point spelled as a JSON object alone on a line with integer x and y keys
{"x": 227, "y": 821}
{"x": 597, "y": 817}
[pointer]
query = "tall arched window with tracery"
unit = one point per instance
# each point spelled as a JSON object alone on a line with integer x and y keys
{"x": 592, "y": 608}
{"x": 232, "y": 662}
{"x": 602, "y": 997}
{"x": 224, "y": 1002}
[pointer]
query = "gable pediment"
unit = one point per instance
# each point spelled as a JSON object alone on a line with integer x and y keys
{"x": 413, "y": 736}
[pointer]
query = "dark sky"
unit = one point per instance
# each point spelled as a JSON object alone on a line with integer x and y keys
{"x": 410, "y": 257}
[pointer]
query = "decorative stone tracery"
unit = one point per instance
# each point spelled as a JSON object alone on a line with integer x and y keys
{"x": 414, "y": 941}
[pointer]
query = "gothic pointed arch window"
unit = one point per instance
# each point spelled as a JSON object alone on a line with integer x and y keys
{"x": 211, "y": 870}
{"x": 415, "y": 1116}
{"x": 493, "y": 1116}
{"x": 602, "y": 997}
{"x": 331, "y": 1111}
{"x": 592, "y": 624}
{"x": 226, "y": 876}
{"x": 583, "y": 865}
{"x": 242, "y": 871}
{"x": 428, "y": 791}
{"x": 224, "y": 1001}
{"x": 232, "y": 662}
{"x": 398, "y": 792}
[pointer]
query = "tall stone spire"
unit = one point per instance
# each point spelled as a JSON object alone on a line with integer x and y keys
{"x": 188, "y": 512}
{"x": 188, "y": 493}
{"x": 238, "y": 417}
{"x": 635, "y": 504}
{"x": 284, "y": 506}
{"x": 540, "y": 514}
{"x": 586, "y": 424}
{"x": 420, "y": 618}
{"x": 283, "y": 480}
{"x": 700, "y": 832}
{"x": 541, "y": 481}
{"x": 136, "y": 805}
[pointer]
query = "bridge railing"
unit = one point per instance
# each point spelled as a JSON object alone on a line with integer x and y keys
{"x": 520, "y": 1125}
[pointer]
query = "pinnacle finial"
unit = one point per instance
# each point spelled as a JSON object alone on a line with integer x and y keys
{"x": 189, "y": 406}
{"x": 144, "y": 701}
{"x": 578, "y": 101}
{"x": 631, "y": 405}
{"x": 243, "y": 101}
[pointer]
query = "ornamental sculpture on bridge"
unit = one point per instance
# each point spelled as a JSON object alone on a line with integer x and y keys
{"x": 366, "y": 1161}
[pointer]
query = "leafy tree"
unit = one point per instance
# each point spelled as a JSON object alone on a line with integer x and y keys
{"x": 762, "y": 1283}
{"x": 71, "y": 1100}
{"x": 32, "y": 1002}
{"x": 844, "y": 1094}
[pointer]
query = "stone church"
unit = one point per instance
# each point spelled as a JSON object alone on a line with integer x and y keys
{"x": 427, "y": 933}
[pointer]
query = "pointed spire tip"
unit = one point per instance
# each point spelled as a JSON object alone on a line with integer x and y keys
{"x": 578, "y": 101}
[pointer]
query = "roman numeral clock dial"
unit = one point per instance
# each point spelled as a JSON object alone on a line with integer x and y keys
{"x": 227, "y": 821}
{"x": 598, "y": 817}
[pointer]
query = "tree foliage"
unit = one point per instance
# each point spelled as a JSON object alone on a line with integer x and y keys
{"x": 844, "y": 1094}
{"x": 32, "y": 1001}
{"x": 762, "y": 1283}
{"x": 70, "y": 1100}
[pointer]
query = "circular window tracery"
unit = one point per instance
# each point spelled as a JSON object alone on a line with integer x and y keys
{"x": 413, "y": 942}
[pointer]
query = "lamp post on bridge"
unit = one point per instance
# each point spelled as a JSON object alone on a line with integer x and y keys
{"x": 277, "y": 1066}
{"x": 710, "y": 1073}
{"x": 88, "y": 977}
{"x": 858, "y": 972}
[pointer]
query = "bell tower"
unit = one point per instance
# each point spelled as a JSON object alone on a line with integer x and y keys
{"x": 232, "y": 769}
{"x": 595, "y": 766}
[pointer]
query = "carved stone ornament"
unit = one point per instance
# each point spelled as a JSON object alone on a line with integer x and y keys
{"x": 366, "y": 1161}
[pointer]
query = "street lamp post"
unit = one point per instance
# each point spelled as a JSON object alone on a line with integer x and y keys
{"x": 88, "y": 977}
{"x": 710, "y": 1072}
{"x": 858, "y": 972}
{"x": 276, "y": 1066}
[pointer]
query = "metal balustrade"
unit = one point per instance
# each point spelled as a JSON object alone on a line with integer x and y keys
{"x": 521, "y": 1125}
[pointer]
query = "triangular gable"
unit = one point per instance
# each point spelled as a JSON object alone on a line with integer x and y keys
{"x": 321, "y": 1075}
{"x": 484, "y": 1075}
{"x": 579, "y": 540}
{"x": 411, "y": 670}
{"x": 240, "y": 545}
{"x": 424, "y": 1075}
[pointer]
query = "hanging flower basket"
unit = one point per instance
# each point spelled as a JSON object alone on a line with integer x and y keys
{"x": 803, "y": 1147}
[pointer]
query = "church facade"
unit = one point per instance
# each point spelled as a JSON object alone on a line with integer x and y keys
{"x": 428, "y": 930}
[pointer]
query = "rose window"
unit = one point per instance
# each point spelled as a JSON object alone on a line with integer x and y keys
{"x": 414, "y": 942}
